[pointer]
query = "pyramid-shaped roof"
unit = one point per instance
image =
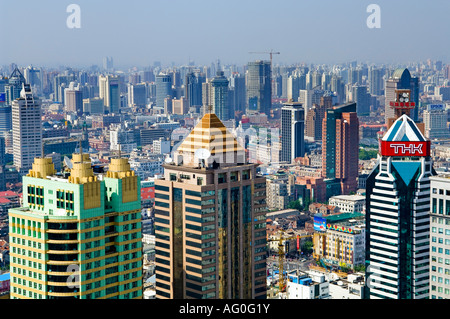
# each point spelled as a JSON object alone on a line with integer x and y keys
{"x": 404, "y": 129}
{"x": 210, "y": 134}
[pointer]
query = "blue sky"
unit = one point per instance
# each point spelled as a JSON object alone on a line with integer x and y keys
{"x": 138, "y": 32}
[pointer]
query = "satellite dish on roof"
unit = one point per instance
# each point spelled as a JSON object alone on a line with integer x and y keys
{"x": 68, "y": 162}
{"x": 168, "y": 160}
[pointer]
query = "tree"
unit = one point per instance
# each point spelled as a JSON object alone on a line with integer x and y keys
{"x": 296, "y": 205}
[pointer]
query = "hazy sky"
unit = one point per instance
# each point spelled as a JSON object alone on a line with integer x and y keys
{"x": 139, "y": 32}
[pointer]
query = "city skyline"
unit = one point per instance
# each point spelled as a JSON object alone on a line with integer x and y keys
{"x": 139, "y": 33}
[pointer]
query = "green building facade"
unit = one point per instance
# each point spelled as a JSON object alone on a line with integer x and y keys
{"x": 77, "y": 236}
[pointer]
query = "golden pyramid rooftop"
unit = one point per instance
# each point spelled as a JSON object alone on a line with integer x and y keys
{"x": 210, "y": 134}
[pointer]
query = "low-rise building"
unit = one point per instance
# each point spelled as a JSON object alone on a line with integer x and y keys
{"x": 348, "y": 203}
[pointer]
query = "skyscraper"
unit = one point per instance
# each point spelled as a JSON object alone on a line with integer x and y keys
{"x": 340, "y": 148}
{"x": 27, "y": 129}
{"x": 361, "y": 97}
{"x": 109, "y": 91}
{"x": 398, "y": 215}
{"x": 292, "y": 131}
{"x": 193, "y": 88}
{"x": 219, "y": 97}
{"x": 74, "y": 99}
{"x": 210, "y": 220}
{"x": 315, "y": 116}
{"x": 376, "y": 81}
{"x": 137, "y": 94}
{"x": 401, "y": 80}
{"x": 440, "y": 236}
{"x": 237, "y": 92}
{"x": 14, "y": 86}
{"x": 259, "y": 87}
{"x": 77, "y": 237}
{"x": 163, "y": 88}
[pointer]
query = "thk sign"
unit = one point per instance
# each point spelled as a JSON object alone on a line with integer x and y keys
{"x": 405, "y": 148}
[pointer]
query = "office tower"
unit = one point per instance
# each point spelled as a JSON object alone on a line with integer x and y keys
{"x": 440, "y": 240}
{"x": 180, "y": 106}
{"x": 259, "y": 87}
{"x": 193, "y": 88}
{"x": 340, "y": 147}
{"x": 219, "y": 97}
{"x": 294, "y": 86}
{"x": 362, "y": 99}
{"x": 137, "y": 94}
{"x": 27, "y": 129}
{"x": 398, "y": 215}
{"x": 74, "y": 99}
{"x": 237, "y": 92}
{"x": 337, "y": 86}
{"x": 93, "y": 106}
{"x": 210, "y": 220}
{"x": 163, "y": 88}
{"x": 401, "y": 80}
{"x": 315, "y": 116}
{"x": 354, "y": 76}
{"x": 14, "y": 86}
{"x": 33, "y": 77}
{"x": 108, "y": 63}
{"x": 435, "y": 121}
{"x": 5, "y": 118}
{"x": 376, "y": 81}
{"x": 77, "y": 237}
{"x": 206, "y": 95}
{"x": 109, "y": 91}
{"x": 60, "y": 82}
{"x": 292, "y": 131}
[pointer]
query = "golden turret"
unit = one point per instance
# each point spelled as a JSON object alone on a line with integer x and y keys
{"x": 42, "y": 167}
{"x": 81, "y": 172}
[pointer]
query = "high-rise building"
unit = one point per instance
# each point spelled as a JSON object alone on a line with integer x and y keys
{"x": 77, "y": 237}
{"x": 361, "y": 97}
{"x": 14, "y": 86}
{"x": 219, "y": 97}
{"x": 27, "y": 129}
{"x": 259, "y": 87}
{"x": 292, "y": 131}
{"x": 93, "y": 106}
{"x": 401, "y": 80}
{"x": 398, "y": 215}
{"x": 137, "y": 94}
{"x": 340, "y": 148}
{"x": 74, "y": 99}
{"x": 237, "y": 92}
{"x": 163, "y": 88}
{"x": 315, "y": 116}
{"x": 376, "y": 81}
{"x": 108, "y": 63}
{"x": 109, "y": 91}
{"x": 34, "y": 77}
{"x": 193, "y": 88}
{"x": 435, "y": 121}
{"x": 210, "y": 220}
{"x": 440, "y": 237}
{"x": 5, "y": 118}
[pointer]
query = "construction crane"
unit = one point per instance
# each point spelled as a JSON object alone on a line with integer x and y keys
{"x": 271, "y": 53}
{"x": 281, "y": 253}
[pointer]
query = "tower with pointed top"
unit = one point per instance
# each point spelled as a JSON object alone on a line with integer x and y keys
{"x": 27, "y": 129}
{"x": 397, "y": 212}
{"x": 77, "y": 236}
{"x": 210, "y": 220}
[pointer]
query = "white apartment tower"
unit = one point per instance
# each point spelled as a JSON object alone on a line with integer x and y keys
{"x": 27, "y": 132}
